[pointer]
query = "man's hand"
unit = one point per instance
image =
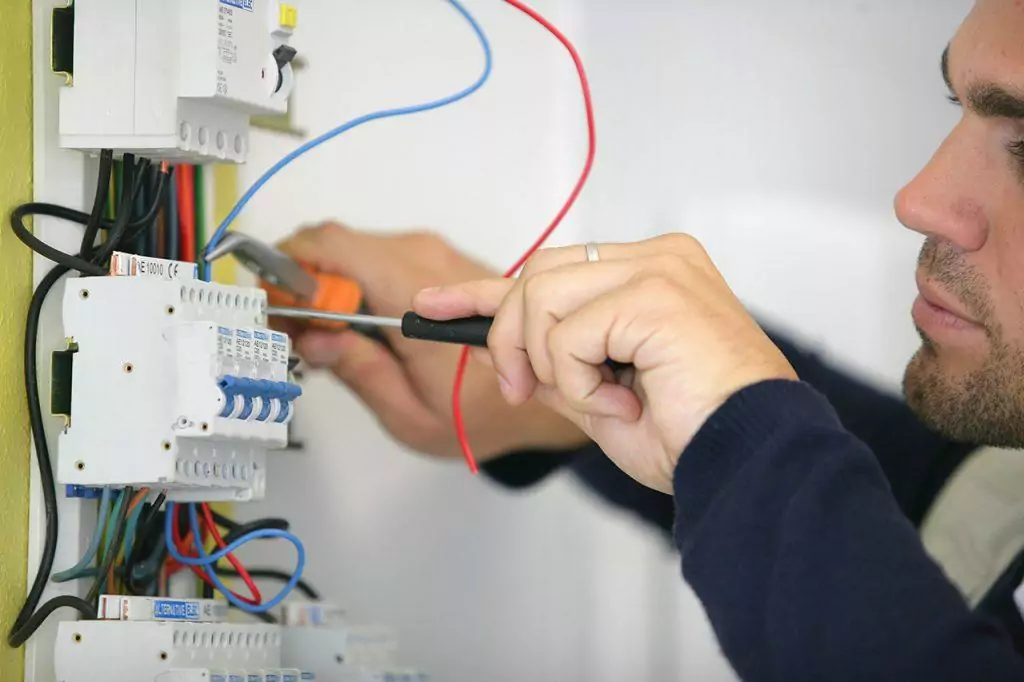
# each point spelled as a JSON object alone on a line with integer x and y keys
{"x": 410, "y": 388}
{"x": 660, "y": 305}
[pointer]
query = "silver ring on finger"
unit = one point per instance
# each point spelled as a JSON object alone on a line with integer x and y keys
{"x": 593, "y": 255}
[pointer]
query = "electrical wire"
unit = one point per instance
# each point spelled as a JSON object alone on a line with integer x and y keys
{"x": 94, "y": 544}
{"x": 199, "y": 212}
{"x": 460, "y": 374}
{"x": 33, "y": 622}
{"x": 31, "y": 615}
{"x": 272, "y": 574}
{"x": 111, "y": 555}
{"x": 92, "y": 226}
{"x": 185, "y": 545}
{"x": 111, "y": 525}
{"x": 231, "y": 596}
{"x": 205, "y": 560}
{"x": 355, "y": 123}
{"x": 148, "y": 527}
{"x": 211, "y": 526}
{"x": 186, "y": 213}
{"x": 25, "y": 624}
{"x": 92, "y": 266}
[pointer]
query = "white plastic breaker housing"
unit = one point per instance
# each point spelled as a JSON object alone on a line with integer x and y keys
{"x": 174, "y": 384}
{"x": 132, "y": 651}
{"x": 173, "y": 80}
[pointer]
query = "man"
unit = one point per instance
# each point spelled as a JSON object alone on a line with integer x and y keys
{"x": 792, "y": 522}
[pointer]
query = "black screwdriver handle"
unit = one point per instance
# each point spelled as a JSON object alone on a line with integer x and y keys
{"x": 469, "y": 331}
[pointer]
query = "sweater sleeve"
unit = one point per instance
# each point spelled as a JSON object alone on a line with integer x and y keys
{"x": 805, "y": 563}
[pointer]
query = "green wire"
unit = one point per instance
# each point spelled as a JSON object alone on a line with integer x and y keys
{"x": 108, "y": 535}
{"x": 200, "y": 214}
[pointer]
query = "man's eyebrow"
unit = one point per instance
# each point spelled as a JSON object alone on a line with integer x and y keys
{"x": 993, "y": 101}
{"x": 986, "y": 99}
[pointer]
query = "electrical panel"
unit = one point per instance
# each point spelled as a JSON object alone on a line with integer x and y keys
{"x": 170, "y": 383}
{"x": 171, "y": 80}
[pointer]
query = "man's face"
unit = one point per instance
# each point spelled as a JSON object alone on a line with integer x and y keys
{"x": 967, "y": 380}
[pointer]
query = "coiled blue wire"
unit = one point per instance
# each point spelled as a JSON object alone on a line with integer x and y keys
{"x": 355, "y": 123}
{"x": 208, "y": 560}
{"x": 83, "y": 565}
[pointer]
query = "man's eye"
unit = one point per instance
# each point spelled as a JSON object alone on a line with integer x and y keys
{"x": 954, "y": 99}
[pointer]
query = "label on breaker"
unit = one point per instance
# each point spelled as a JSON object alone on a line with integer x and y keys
{"x": 243, "y": 344}
{"x": 130, "y": 265}
{"x": 261, "y": 345}
{"x": 225, "y": 342}
{"x": 114, "y": 607}
{"x": 279, "y": 349}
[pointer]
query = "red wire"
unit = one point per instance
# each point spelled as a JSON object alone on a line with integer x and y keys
{"x": 185, "y": 177}
{"x": 211, "y": 525}
{"x": 183, "y": 546}
{"x": 460, "y": 374}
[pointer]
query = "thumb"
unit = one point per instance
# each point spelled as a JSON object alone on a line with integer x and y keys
{"x": 375, "y": 375}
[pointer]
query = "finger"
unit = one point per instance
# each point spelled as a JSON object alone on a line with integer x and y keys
{"x": 552, "y": 295}
{"x": 482, "y": 297}
{"x": 581, "y": 343}
{"x": 373, "y": 374}
{"x": 508, "y": 350}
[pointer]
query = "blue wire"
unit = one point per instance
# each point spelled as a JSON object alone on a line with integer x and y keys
{"x": 355, "y": 123}
{"x": 77, "y": 571}
{"x": 207, "y": 560}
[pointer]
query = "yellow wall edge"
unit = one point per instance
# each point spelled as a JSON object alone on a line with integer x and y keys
{"x": 15, "y": 291}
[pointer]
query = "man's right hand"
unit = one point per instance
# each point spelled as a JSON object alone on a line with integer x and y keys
{"x": 409, "y": 387}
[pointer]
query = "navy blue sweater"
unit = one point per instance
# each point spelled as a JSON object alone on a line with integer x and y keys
{"x": 795, "y": 510}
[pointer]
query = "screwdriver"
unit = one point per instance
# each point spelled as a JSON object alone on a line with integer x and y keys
{"x": 467, "y": 331}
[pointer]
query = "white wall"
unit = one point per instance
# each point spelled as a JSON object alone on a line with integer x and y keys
{"x": 778, "y": 132}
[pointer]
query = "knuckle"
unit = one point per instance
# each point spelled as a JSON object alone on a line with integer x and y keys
{"x": 537, "y": 288}
{"x": 657, "y": 286}
{"x": 668, "y": 263}
{"x": 680, "y": 243}
{"x": 540, "y": 261}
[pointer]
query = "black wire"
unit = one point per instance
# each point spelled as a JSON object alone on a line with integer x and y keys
{"x": 253, "y": 526}
{"x": 111, "y": 556}
{"x": 20, "y": 630}
{"x": 271, "y": 574}
{"x": 21, "y": 635}
{"x": 92, "y": 227}
{"x": 65, "y": 260}
{"x": 119, "y": 228}
{"x": 142, "y": 536}
{"x": 124, "y": 212}
{"x": 29, "y": 619}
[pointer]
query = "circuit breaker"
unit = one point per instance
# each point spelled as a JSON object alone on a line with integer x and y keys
{"x": 171, "y": 80}
{"x": 169, "y": 382}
